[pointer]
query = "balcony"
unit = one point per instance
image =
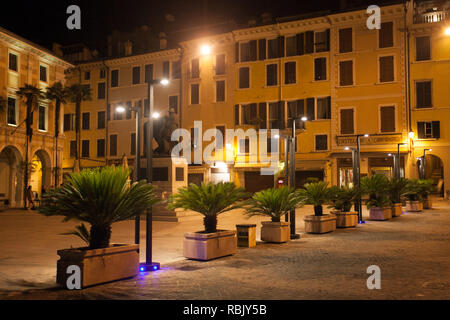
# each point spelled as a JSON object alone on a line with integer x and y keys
{"x": 431, "y": 17}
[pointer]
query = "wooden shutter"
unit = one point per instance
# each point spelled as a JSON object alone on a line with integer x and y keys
{"x": 236, "y": 114}
{"x": 236, "y": 52}
{"x": 263, "y": 115}
{"x": 300, "y": 44}
{"x": 310, "y": 109}
{"x": 346, "y": 73}
{"x": 253, "y": 112}
{"x": 423, "y": 92}
{"x": 345, "y": 40}
{"x": 327, "y": 46}
{"x": 436, "y": 129}
{"x": 386, "y": 35}
{"x": 421, "y": 130}
{"x": 309, "y": 41}
{"x": 281, "y": 118}
{"x": 280, "y": 46}
{"x": 423, "y": 48}
{"x": 301, "y": 108}
{"x": 347, "y": 126}
{"x": 262, "y": 49}
{"x": 387, "y": 115}
{"x": 329, "y": 107}
{"x": 253, "y": 51}
{"x": 386, "y": 69}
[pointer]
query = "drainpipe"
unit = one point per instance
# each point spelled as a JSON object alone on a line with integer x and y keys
{"x": 108, "y": 110}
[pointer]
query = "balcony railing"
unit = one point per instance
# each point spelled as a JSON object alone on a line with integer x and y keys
{"x": 431, "y": 17}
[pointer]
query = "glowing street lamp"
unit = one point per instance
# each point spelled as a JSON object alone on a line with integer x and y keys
{"x": 447, "y": 31}
{"x": 205, "y": 49}
{"x": 411, "y": 134}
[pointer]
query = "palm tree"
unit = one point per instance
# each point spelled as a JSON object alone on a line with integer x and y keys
{"x": 31, "y": 94}
{"x": 316, "y": 194}
{"x": 77, "y": 94}
{"x": 377, "y": 187}
{"x": 99, "y": 197}
{"x": 210, "y": 200}
{"x": 59, "y": 94}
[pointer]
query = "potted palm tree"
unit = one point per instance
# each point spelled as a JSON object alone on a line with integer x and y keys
{"x": 99, "y": 197}
{"x": 426, "y": 188}
{"x": 317, "y": 194}
{"x": 377, "y": 187}
{"x": 273, "y": 203}
{"x": 413, "y": 194}
{"x": 342, "y": 199}
{"x": 397, "y": 188}
{"x": 210, "y": 200}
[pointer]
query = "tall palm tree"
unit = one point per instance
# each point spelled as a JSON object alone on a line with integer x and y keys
{"x": 58, "y": 93}
{"x": 77, "y": 94}
{"x": 31, "y": 94}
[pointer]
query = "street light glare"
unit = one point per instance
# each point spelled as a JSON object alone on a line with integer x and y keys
{"x": 120, "y": 109}
{"x": 411, "y": 134}
{"x": 164, "y": 82}
{"x": 366, "y": 135}
{"x": 304, "y": 119}
{"x": 156, "y": 115}
{"x": 447, "y": 31}
{"x": 277, "y": 136}
{"x": 347, "y": 148}
{"x": 205, "y": 49}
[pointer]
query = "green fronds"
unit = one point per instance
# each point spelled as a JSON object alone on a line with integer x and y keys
{"x": 343, "y": 197}
{"x": 81, "y": 232}
{"x": 377, "y": 187}
{"x": 316, "y": 193}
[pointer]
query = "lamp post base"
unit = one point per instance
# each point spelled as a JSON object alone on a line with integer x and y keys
{"x": 295, "y": 236}
{"x": 147, "y": 267}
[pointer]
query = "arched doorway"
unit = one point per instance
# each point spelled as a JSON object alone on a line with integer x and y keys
{"x": 11, "y": 177}
{"x": 40, "y": 172}
{"x": 435, "y": 171}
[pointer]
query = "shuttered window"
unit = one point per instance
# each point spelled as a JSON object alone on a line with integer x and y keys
{"x": 346, "y": 73}
{"x": 321, "y": 142}
{"x": 86, "y": 121}
{"x": 387, "y": 118}
{"x": 310, "y": 113}
{"x": 322, "y": 41}
{"x": 271, "y": 75}
{"x": 73, "y": 149}
{"x": 114, "y": 78}
{"x": 220, "y": 91}
{"x": 428, "y": 130}
{"x": 249, "y": 114}
{"x": 85, "y": 148}
{"x": 244, "y": 77}
{"x": 309, "y": 42}
{"x": 290, "y": 72}
{"x": 423, "y": 94}
{"x": 347, "y": 125}
{"x": 262, "y": 49}
{"x": 273, "y": 50}
{"x": 262, "y": 115}
{"x": 113, "y": 145}
{"x": 423, "y": 48}
{"x": 195, "y": 68}
{"x": 324, "y": 108}
{"x": 386, "y": 69}
{"x": 386, "y": 35}
{"x": 100, "y": 148}
{"x": 296, "y": 110}
{"x": 276, "y": 115}
{"x": 345, "y": 40}
{"x": 320, "y": 69}
{"x": 195, "y": 93}
{"x": 291, "y": 46}
{"x": 220, "y": 64}
{"x": 136, "y": 75}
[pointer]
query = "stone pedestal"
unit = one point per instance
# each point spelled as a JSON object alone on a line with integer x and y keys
{"x": 207, "y": 246}
{"x": 320, "y": 224}
{"x": 380, "y": 214}
{"x": 277, "y": 232}
{"x": 345, "y": 219}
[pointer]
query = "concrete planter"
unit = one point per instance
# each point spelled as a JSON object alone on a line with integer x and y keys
{"x": 396, "y": 209}
{"x": 414, "y": 206}
{"x": 320, "y": 224}
{"x": 346, "y": 219}
{"x": 120, "y": 261}
{"x": 207, "y": 246}
{"x": 380, "y": 214}
{"x": 427, "y": 204}
{"x": 277, "y": 232}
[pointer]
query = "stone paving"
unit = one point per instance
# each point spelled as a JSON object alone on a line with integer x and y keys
{"x": 412, "y": 252}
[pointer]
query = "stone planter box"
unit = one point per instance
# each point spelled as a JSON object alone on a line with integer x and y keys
{"x": 119, "y": 261}
{"x": 320, "y": 224}
{"x": 414, "y": 206}
{"x": 277, "y": 232}
{"x": 207, "y": 246}
{"x": 380, "y": 214}
{"x": 396, "y": 210}
{"x": 347, "y": 219}
{"x": 427, "y": 204}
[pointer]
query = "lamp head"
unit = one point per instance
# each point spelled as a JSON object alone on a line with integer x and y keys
{"x": 411, "y": 134}
{"x": 156, "y": 115}
{"x": 164, "y": 82}
{"x": 120, "y": 109}
{"x": 447, "y": 31}
{"x": 347, "y": 148}
{"x": 205, "y": 49}
{"x": 304, "y": 119}
{"x": 366, "y": 135}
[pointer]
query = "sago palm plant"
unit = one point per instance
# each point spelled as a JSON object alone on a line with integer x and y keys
{"x": 426, "y": 187}
{"x": 413, "y": 190}
{"x": 99, "y": 197}
{"x": 397, "y": 188}
{"x": 377, "y": 187}
{"x": 316, "y": 194}
{"x": 343, "y": 197}
{"x": 210, "y": 200}
{"x": 274, "y": 203}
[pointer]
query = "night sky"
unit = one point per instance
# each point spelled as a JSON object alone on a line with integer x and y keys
{"x": 44, "y": 21}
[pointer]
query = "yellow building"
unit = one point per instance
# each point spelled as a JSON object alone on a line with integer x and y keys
{"x": 23, "y": 62}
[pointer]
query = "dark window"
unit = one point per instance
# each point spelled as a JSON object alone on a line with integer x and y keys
{"x": 346, "y": 73}
{"x": 320, "y": 69}
{"x": 113, "y": 145}
{"x": 179, "y": 174}
{"x": 324, "y": 108}
{"x": 262, "y": 49}
{"x": 272, "y": 75}
{"x": 423, "y": 93}
{"x": 101, "y": 92}
{"x": 244, "y": 77}
{"x": 114, "y": 78}
{"x": 133, "y": 144}
{"x": 166, "y": 69}
{"x": 146, "y": 108}
{"x": 296, "y": 110}
{"x": 128, "y": 112}
{"x": 386, "y": 69}
{"x": 87, "y": 75}
{"x": 176, "y": 69}
{"x": 220, "y": 91}
{"x": 101, "y": 121}
{"x": 428, "y": 130}
{"x": 386, "y": 35}
{"x": 173, "y": 103}
{"x": 347, "y": 125}
{"x": 345, "y": 40}
{"x": 219, "y": 141}
{"x": 309, "y": 42}
{"x": 248, "y": 51}
{"x": 291, "y": 46}
{"x": 423, "y": 48}
{"x": 262, "y": 115}
{"x": 195, "y": 93}
{"x": 102, "y": 74}
{"x": 13, "y": 62}
{"x": 321, "y": 142}
{"x": 160, "y": 174}
{"x": 236, "y": 114}
{"x": 85, "y": 148}
{"x": 136, "y": 75}
{"x": 12, "y": 118}
{"x": 86, "y": 121}
{"x": 73, "y": 149}
{"x": 220, "y": 64}
{"x": 272, "y": 51}
{"x": 310, "y": 112}
{"x": 290, "y": 72}
{"x": 67, "y": 122}
{"x": 148, "y": 72}
{"x": 276, "y": 115}
{"x": 43, "y": 73}
{"x": 195, "y": 69}
{"x": 249, "y": 113}
{"x": 100, "y": 148}
{"x": 300, "y": 43}
{"x": 387, "y": 115}
{"x": 42, "y": 118}
{"x": 322, "y": 41}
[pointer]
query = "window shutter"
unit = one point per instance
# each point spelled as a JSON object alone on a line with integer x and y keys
{"x": 421, "y": 130}
{"x": 387, "y": 119}
{"x": 262, "y": 49}
{"x": 310, "y": 109}
{"x": 328, "y": 40}
{"x": 301, "y": 108}
{"x": 281, "y": 47}
{"x": 236, "y": 52}
{"x": 300, "y": 44}
{"x": 345, "y": 40}
{"x": 436, "y": 129}
{"x": 253, "y": 112}
{"x": 263, "y": 115}
{"x": 253, "y": 51}
{"x": 281, "y": 117}
{"x": 236, "y": 114}
{"x": 329, "y": 107}
{"x": 309, "y": 41}
{"x": 347, "y": 121}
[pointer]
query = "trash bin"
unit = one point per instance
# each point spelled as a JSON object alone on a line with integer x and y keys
{"x": 246, "y": 235}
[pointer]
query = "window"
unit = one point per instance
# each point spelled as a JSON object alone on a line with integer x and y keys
{"x": 100, "y": 148}
{"x": 220, "y": 91}
{"x": 244, "y": 78}
{"x": 291, "y": 46}
{"x": 347, "y": 125}
{"x": 345, "y": 40}
{"x": 423, "y": 48}
{"x": 69, "y": 122}
{"x": 87, "y": 75}
{"x": 73, "y": 149}
{"x": 85, "y": 148}
{"x": 146, "y": 108}
{"x": 43, "y": 73}
{"x": 428, "y": 130}
{"x": 244, "y": 145}
{"x": 220, "y": 64}
{"x": 387, "y": 118}
{"x": 296, "y": 110}
{"x": 290, "y": 72}
{"x": 117, "y": 115}
{"x": 166, "y": 69}
{"x": 346, "y": 73}
{"x": 386, "y": 35}
{"x": 179, "y": 174}
{"x": 262, "y": 49}
{"x": 324, "y": 108}
{"x": 113, "y": 145}
{"x": 86, "y": 121}
{"x": 13, "y": 65}
{"x": 269, "y": 145}
{"x": 321, "y": 142}
{"x": 101, "y": 120}
{"x": 101, "y": 91}
{"x": 249, "y": 115}
{"x": 423, "y": 94}
{"x": 276, "y": 115}
{"x": 12, "y": 111}
{"x": 320, "y": 69}
{"x": 114, "y": 78}
{"x": 136, "y": 75}
{"x": 309, "y": 41}
{"x": 273, "y": 49}
{"x": 42, "y": 118}
{"x": 133, "y": 144}
{"x": 128, "y": 112}
{"x": 271, "y": 75}
{"x": 248, "y": 51}
{"x": 176, "y": 69}
{"x": 310, "y": 109}
{"x": 195, "y": 93}
{"x": 173, "y": 103}
{"x": 195, "y": 69}
{"x": 195, "y": 138}
{"x": 387, "y": 69}
{"x": 148, "y": 72}
{"x": 219, "y": 141}
{"x": 322, "y": 41}
{"x": 102, "y": 74}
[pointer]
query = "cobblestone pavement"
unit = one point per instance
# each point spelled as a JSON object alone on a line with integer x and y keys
{"x": 412, "y": 252}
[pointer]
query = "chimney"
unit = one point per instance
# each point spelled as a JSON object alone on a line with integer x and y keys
{"x": 128, "y": 48}
{"x": 162, "y": 41}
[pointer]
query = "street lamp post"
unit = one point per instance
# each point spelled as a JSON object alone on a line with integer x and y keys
{"x": 357, "y": 174}
{"x": 397, "y": 162}
{"x": 424, "y": 163}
